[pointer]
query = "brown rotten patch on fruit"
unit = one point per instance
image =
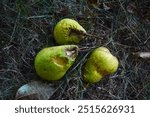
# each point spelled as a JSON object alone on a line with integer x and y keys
{"x": 78, "y": 33}
{"x": 72, "y": 52}
{"x": 60, "y": 60}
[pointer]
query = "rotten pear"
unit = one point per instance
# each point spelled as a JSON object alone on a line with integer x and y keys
{"x": 53, "y": 62}
{"x": 99, "y": 64}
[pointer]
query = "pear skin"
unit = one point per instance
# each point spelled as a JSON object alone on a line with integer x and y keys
{"x": 99, "y": 64}
{"x": 53, "y": 62}
{"x": 68, "y": 31}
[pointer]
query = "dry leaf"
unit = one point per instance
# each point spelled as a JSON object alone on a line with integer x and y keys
{"x": 35, "y": 91}
{"x": 131, "y": 7}
{"x": 106, "y": 6}
{"x": 93, "y": 2}
{"x": 144, "y": 55}
{"x": 62, "y": 11}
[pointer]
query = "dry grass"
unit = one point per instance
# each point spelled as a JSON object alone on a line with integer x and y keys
{"x": 26, "y": 27}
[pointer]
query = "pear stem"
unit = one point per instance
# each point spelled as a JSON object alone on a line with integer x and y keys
{"x": 90, "y": 35}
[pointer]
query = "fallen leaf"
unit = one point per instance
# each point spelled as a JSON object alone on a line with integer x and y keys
{"x": 35, "y": 90}
{"x": 106, "y": 7}
{"x": 62, "y": 11}
{"x": 131, "y": 7}
{"x": 144, "y": 55}
{"x": 93, "y": 2}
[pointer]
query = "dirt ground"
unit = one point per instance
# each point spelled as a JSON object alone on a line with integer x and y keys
{"x": 26, "y": 26}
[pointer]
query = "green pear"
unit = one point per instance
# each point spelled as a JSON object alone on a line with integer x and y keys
{"x": 99, "y": 64}
{"x": 68, "y": 31}
{"x": 53, "y": 62}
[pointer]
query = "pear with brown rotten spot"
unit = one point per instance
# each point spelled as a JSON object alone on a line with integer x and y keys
{"x": 53, "y": 62}
{"x": 99, "y": 64}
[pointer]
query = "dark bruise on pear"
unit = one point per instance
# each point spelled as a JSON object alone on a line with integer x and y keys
{"x": 79, "y": 33}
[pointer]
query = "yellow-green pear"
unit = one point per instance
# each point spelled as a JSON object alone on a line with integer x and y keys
{"x": 68, "y": 31}
{"x": 99, "y": 64}
{"x": 53, "y": 62}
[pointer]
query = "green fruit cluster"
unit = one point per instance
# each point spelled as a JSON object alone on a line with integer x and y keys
{"x": 52, "y": 63}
